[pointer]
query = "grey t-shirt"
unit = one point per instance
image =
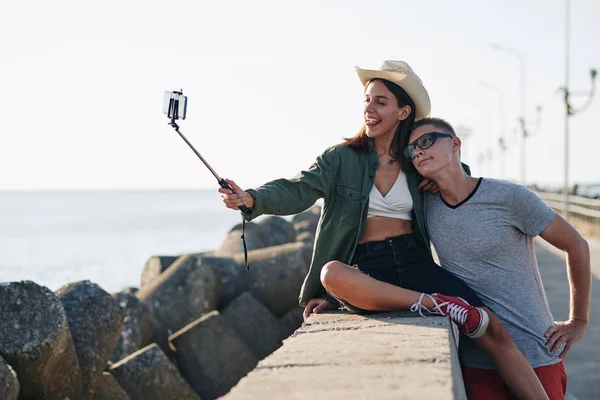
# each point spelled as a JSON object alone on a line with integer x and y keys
{"x": 487, "y": 241}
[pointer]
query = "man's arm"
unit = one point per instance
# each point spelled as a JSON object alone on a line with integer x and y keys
{"x": 563, "y": 236}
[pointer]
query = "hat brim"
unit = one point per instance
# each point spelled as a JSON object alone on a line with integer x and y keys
{"x": 411, "y": 85}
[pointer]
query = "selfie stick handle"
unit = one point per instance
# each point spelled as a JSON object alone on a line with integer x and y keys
{"x": 222, "y": 182}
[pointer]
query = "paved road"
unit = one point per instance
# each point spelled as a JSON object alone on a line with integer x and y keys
{"x": 583, "y": 361}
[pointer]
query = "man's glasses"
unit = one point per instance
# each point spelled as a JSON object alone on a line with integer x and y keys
{"x": 424, "y": 141}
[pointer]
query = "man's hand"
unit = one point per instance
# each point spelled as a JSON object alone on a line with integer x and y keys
{"x": 316, "y": 306}
{"x": 565, "y": 333}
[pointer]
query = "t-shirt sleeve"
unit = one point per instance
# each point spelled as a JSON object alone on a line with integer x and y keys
{"x": 531, "y": 215}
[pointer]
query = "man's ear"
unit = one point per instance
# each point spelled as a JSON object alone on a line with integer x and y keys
{"x": 456, "y": 144}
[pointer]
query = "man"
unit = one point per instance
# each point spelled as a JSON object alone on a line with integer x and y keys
{"x": 482, "y": 230}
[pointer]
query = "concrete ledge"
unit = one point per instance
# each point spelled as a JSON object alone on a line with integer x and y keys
{"x": 340, "y": 355}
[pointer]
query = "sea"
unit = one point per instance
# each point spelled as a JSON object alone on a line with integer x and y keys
{"x": 58, "y": 237}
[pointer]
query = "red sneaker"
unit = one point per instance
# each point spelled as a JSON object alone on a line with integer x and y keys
{"x": 472, "y": 321}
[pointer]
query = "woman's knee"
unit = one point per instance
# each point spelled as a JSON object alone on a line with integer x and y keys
{"x": 331, "y": 273}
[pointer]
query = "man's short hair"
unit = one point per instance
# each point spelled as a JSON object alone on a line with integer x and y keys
{"x": 436, "y": 122}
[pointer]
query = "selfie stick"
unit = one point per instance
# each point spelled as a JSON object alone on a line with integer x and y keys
{"x": 173, "y": 114}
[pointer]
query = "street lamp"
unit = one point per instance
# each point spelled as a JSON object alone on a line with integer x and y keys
{"x": 500, "y": 93}
{"x": 522, "y": 119}
{"x": 569, "y": 110}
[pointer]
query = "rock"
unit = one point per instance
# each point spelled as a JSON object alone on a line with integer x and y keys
{"x": 95, "y": 320}
{"x": 256, "y": 238}
{"x": 187, "y": 290}
{"x": 291, "y": 321}
{"x": 233, "y": 275}
{"x": 311, "y": 215}
{"x": 304, "y": 227}
{"x": 148, "y": 374}
{"x": 36, "y": 341}
{"x": 211, "y": 355}
{"x": 130, "y": 290}
{"x": 107, "y": 388}
{"x": 138, "y": 327}
{"x": 276, "y": 274}
{"x": 155, "y": 266}
{"x": 278, "y": 230}
{"x": 255, "y": 324}
{"x": 306, "y": 237}
{"x": 9, "y": 384}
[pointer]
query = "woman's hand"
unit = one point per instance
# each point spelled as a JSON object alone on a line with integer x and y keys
{"x": 427, "y": 185}
{"x": 316, "y": 306}
{"x": 236, "y": 198}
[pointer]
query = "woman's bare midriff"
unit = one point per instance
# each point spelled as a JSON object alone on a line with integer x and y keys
{"x": 379, "y": 228}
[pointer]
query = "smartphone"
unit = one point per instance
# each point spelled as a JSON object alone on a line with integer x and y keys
{"x": 175, "y": 105}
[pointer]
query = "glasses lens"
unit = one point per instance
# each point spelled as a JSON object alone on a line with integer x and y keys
{"x": 409, "y": 151}
{"x": 426, "y": 141}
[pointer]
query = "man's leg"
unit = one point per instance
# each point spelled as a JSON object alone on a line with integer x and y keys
{"x": 362, "y": 291}
{"x": 508, "y": 359}
{"x": 486, "y": 384}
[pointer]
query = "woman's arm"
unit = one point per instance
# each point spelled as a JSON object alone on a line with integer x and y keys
{"x": 291, "y": 196}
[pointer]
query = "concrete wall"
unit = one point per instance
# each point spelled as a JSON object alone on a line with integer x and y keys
{"x": 337, "y": 355}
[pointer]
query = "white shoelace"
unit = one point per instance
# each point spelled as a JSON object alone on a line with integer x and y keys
{"x": 418, "y": 306}
{"x": 454, "y": 311}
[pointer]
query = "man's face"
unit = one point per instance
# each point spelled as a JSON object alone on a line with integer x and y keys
{"x": 440, "y": 154}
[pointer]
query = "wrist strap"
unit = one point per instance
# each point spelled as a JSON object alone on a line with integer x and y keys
{"x": 243, "y": 237}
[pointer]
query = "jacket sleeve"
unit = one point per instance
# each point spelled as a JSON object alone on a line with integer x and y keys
{"x": 292, "y": 196}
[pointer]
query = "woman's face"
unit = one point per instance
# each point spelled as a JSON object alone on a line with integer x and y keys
{"x": 381, "y": 113}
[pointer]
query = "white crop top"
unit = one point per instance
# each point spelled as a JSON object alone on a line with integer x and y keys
{"x": 397, "y": 203}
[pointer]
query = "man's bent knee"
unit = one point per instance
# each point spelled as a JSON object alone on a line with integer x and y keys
{"x": 496, "y": 328}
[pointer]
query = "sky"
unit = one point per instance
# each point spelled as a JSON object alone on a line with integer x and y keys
{"x": 271, "y": 85}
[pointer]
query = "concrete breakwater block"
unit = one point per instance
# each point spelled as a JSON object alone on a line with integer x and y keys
{"x": 255, "y": 235}
{"x": 155, "y": 266}
{"x": 36, "y": 341}
{"x": 9, "y": 384}
{"x": 255, "y": 324}
{"x": 107, "y": 388}
{"x": 183, "y": 293}
{"x": 276, "y": 274}
{"x": 148, "y": 374}
{"x": 278, "y": 230}
{"x": 311, "y": 215}
{"x": 232, "y": 274}
{"x": 95, "y": 320}
{"x": 306, "y": 237}
{"x": 291, "y": 321}
{"x": 138, "y": 327}
{"x": 269, "y": 231}
{"x": 211, "y": 355}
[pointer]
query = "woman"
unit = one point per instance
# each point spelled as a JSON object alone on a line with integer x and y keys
{"x": 371, "y": 249}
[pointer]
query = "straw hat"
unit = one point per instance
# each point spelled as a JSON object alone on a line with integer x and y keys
{"x": 402, "y": 75}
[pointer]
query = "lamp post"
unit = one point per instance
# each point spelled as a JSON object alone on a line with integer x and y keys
{"x": 500, "y": 93}
{"x": 569, "y": 110}
{"x": 519, "y": 57}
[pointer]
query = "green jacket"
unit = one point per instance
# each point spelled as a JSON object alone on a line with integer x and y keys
{"x": 343, "y": 177}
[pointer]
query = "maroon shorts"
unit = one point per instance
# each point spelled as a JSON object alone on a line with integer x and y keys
{"x": 486, "y": 383}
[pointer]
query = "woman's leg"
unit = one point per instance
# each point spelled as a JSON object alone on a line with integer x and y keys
{"x": 365, "y": 292}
